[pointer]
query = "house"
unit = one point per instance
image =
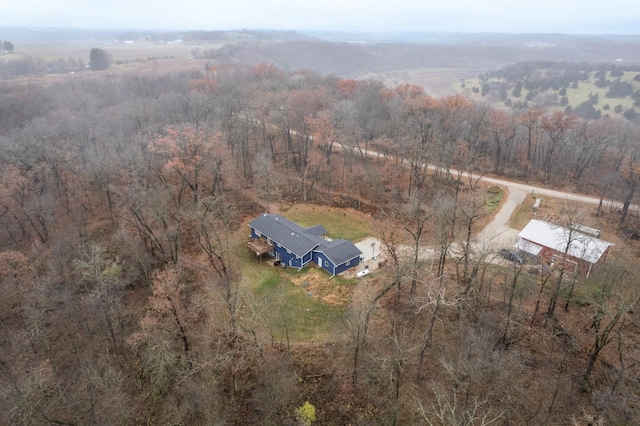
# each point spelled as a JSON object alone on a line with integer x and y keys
{"x": 295, "y": 246}
{"x": 551, "y": 243}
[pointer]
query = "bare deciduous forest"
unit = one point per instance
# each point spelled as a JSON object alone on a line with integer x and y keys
{"x": 128, "y": 294}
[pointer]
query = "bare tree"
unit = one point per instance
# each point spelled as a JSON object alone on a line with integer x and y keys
{"x": 532, "y": 121}
{"x": 419, "y": 217}
{"x": 506, "y": 340}
{"x": 471, "y": 379}
{"x": 449, "y": 411}
{"x": 557, "y": 127}
{"x": 503, "y": 134}
{"x": 187, "y": 153}
{"x": 613, "y": 297}
{"x": 212, "y": 226}
{"x": 356, "y": 323}
{"x": 105, "y": 288}
{"x": 435, "y": 298}
{"x": 630, "y": 171}
{"x": 419, "y": 119}
{"x": 163, "y": 341}
{"x": 361, "y": 311}
{"x": 573, "y": 241}
{"x": 265, "y": 177}
{"x": 472, "y": 209}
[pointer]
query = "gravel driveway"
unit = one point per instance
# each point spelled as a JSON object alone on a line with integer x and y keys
{"x": 498, "y": 234}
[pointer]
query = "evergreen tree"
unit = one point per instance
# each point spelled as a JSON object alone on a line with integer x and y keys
{"x": 8, "y": 46}
{"x": 99, "y": 59}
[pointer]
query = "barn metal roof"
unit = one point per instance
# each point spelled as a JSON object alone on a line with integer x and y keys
{"x": 557, "y": 237}
{"x": 529, "y": 247}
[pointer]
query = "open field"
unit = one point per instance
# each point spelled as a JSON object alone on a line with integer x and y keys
{"x": 575, "y": 95}
{"x": 138, "y": 47}
{"x": 435, "y": 81}
{"x": 584, "y": 90}
{"x": 119, "y": 51}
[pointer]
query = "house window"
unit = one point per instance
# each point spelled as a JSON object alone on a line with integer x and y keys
{"x": 290, "y": 262}
{"x": 326, "y": 263}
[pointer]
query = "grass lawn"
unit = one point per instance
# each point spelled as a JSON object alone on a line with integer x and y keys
{"x": 494, "y": 196}
{"x": 284, "y": 309}
{"x": 346, "y": 224}
{"x": 290, "y": 310}
{"x": 298, "y": 312}
{"x": 522, "y": 214}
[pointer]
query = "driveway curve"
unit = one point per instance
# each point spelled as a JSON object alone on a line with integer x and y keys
{"x": 498, "y": 233}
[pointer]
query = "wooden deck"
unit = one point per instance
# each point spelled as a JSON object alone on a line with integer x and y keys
{"x": 259, "y": 247}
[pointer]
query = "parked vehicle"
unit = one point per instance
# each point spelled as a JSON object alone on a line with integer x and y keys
{"x": 362, "y": 273}
{"x": 511, "y": 256}
{"x": 538, "y": 269}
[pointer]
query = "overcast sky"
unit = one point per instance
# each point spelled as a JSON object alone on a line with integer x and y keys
{"x": 541, "y": 16}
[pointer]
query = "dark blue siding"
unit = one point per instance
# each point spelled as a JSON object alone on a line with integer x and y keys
{"x": 322, "y": 261}
{"x": 289, "y": 259}
{"x": 307, "y": 258}
{"x": 352, "y": 263}
{"x": 285, "y": 257}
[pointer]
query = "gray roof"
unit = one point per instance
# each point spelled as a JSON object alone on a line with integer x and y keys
{"x": 301, "y": 241}
{"x": 286, "y": 233}
{"x": 318, "y": 230}
{"x": 340, "y": 251}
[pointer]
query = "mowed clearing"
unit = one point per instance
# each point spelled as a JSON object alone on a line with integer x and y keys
{"x": 347, "y": 224}
{"x": 435, "y": 81}
{"x": 307, "y": 304}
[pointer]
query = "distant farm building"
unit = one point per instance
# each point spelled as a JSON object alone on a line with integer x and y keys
{"x": 580, "y": 251}
{"x": 295, "y": 246}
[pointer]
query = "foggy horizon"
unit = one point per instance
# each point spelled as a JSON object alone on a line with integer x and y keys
{"x": 457, "y": 16}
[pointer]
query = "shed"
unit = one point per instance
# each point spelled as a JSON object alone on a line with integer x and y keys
{"x": 553, "y": 243}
